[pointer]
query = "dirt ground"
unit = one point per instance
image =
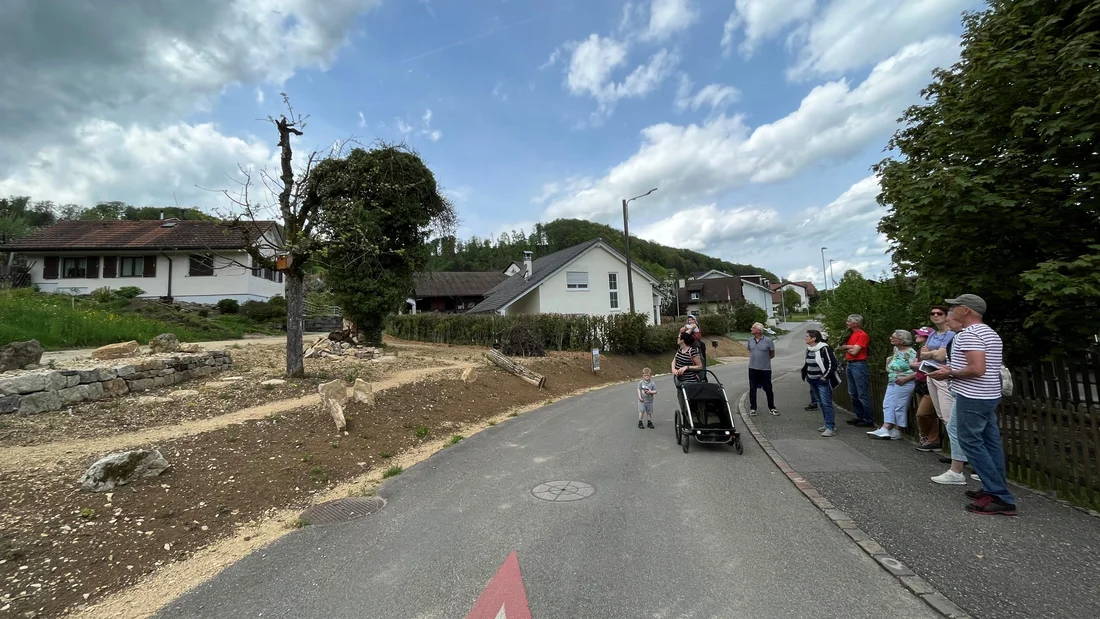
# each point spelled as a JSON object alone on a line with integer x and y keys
{"x": 63, "y": 549}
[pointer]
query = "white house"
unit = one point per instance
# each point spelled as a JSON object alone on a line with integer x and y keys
{"x": 193, "y": 261}
{"x": 803, "y": 295}
{"x": 757, "y": 290}
{"x": 589, "y": 278}
{"x": 703, "y": 294}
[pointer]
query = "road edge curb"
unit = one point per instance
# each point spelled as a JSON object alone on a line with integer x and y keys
{"x": 916, "y": 585}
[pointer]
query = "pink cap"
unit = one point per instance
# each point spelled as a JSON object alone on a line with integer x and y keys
{"x": 924, "y": 331}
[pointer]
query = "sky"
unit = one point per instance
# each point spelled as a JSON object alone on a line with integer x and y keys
{"x": 757, "y": 121}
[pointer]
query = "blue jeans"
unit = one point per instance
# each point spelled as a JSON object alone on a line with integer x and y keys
{"x": 823, "y": 393}
{"x": 957, "y": 452}
{"x": 981, "y": 439}
{"x": 895, "y": 406}
{"x": 813, "y": 395}
{"x": 859, "y": 387}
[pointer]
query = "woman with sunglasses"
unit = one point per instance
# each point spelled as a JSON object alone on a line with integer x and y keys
{"x": 942, "y": 398}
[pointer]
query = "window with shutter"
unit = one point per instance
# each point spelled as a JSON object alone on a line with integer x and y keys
{"x": 576, "y": 280}
{"x": 110, "y": 266}
{"x": 74, "y": 268}
{"x": 201, "y": 265}
{"x": 132, "y": 266}
{"x": 149, "y": 266}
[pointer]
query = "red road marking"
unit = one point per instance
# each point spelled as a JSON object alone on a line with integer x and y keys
{"x": 504, "y": 597}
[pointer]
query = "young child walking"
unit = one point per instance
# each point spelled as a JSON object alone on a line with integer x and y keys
{"x": 646, "y": 390}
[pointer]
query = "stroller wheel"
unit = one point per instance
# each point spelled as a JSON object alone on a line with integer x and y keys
{"x": 737, "y": 446}
{"x": 676, "y": 426}
{"x": 687, "y": 442}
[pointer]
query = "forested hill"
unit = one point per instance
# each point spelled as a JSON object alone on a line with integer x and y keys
{"x": 483, "y": 254}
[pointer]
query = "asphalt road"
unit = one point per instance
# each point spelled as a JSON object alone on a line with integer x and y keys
{"x": 665, "y": 535}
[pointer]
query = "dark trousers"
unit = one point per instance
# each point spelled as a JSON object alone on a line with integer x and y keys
{"x": 757, "y": 379}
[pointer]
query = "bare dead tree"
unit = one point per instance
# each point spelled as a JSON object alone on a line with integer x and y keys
{"x": 298, "y": 213}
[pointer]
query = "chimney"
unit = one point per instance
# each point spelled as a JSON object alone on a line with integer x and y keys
{"x": 682, "y": 283}
{"x": 162, "y": 214}
{"x": 528, "y": 266}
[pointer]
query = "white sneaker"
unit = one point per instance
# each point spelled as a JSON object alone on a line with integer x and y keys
{"x": 950, "y": 478}
{"x": 827, "y": 433}
{"x": 975, "y": 477}
{"x": 880, "y": 433}
{"x": 895, "y": 434}
{"x": 822, "y": 429}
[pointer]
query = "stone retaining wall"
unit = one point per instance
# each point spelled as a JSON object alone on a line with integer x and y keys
{"x": 50, "y": 390}
{"x": 319, "y": 324}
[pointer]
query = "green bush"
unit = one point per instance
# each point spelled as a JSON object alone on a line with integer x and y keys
{"x": 714, "y": 324}
{"x": 101, "y": 295}
{"x": 745, "y": 314}
{"x": 229, "y": 306}
{"x": 272, "y": 310}
{"x": 129, "y": 292}
{"x": 621, "y": 333}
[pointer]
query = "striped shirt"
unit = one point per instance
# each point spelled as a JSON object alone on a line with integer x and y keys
{"x": 977, "y": 337}
{"x": 683, "y": 359}
{"x": 813, "y": 371}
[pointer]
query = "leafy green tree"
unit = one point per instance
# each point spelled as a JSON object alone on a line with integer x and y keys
{"x": 792, "y": 301}
{"x": 888, "y": 305}
{"x": 378, "y": 209}
{"x": 993, "y": 185}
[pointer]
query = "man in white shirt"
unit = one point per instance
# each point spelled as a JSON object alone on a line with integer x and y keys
{"x": 974, "y": 372}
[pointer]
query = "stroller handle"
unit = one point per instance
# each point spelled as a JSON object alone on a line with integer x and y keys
{"x": 676, "y": 380}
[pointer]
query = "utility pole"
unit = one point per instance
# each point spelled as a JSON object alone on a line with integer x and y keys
{"x": 626, "y": 235}
{"x": 824, "y": 273}
{"x": 831, "y": 275}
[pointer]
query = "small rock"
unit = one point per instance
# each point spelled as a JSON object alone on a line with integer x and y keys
{"x": 20, "y": 354}
{"x": 363, "y": 391}
{"x": 217, "y": 385}
{"x": 182, "y": 394}
{"x": 150, "y": 400}
{"x": 190, "y": 348}
{"x": 117, "y": 351}
{"x": 334, "y": 395}
{"x": 121, "y": 468}
{"x": 384, "y": 359}
{"x": 232, "y": 379}
{"x": 31, "y": 366}
{"x": 274, "y": 382}
{"x": 164, "y": 343}
{"x": 469, "y": 375}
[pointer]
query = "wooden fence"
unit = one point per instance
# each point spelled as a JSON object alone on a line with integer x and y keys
{"x": 1050, "y": 425}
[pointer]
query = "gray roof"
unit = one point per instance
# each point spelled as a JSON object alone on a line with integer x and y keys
{"x": 515, "y": 286}
{"x": 457, "y": 283}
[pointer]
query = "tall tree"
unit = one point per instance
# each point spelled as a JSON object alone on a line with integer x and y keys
{"x": 378, "y": 209}
{"x": 993, "y": 185}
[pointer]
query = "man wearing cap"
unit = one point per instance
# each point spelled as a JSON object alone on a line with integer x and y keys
{"x": 974, "y": 372}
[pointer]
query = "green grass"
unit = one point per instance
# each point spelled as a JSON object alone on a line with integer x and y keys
{"x": 58, "y": 323}
{"x": 393, "y": 471}
{"x": 456, "y": 438}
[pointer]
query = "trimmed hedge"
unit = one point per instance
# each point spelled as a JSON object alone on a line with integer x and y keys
{"x": 621, "y": 333}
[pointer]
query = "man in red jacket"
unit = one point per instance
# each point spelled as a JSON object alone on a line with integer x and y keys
{"x": 857, "y": 372}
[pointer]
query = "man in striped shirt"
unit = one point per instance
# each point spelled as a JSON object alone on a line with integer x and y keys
{"x": 974, "y": 372}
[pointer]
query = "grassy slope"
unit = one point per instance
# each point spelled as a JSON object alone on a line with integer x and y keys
{"x": 56, "y": 323}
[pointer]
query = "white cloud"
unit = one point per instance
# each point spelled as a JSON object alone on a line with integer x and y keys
{"x": 715, "y": 96}
{"x": 142, "y": 166}
{"x": 362, "y": 120}
{"x": 260, "y": 96}
{"x": 668, "y": 17}
{"x": 552, "y": 60}
{"x": 404, "y": 127}
{"x": 498, "y": 91}
{"x": 850, "y": 34}
{"x": 706, "y": 227}
{"x": 699, "y": 161}
{"x": 80, "y": 67}
{"x": 762, "y": 19}
{"x": 594, "y": 62}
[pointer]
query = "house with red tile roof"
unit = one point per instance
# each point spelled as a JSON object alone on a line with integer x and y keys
{"x": 193, "y": 261}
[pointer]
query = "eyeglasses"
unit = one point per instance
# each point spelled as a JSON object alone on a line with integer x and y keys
{"x": 937, "y": 313}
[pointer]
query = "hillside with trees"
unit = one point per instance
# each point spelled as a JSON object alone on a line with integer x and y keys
{"x": 485, "y": 254}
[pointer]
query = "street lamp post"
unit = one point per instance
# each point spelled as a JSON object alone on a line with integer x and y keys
{"x": 824, "y": 274}
{"x": 626, "y": 235}
{"x": 831, "y": 275}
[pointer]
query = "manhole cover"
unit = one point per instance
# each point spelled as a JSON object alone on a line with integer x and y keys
{"x": 563, "y": 491}
{"x": 342, "y": 510}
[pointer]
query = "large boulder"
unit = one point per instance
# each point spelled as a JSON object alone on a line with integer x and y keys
{"x": 164, "y": 343}
{"x": 121, "y": 350}
{"x": 123, "y": 467}
{"x": 363, "y": 391}
{"x": 20, "y": 354}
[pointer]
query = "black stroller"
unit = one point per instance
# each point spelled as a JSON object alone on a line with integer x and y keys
{"x": 705, "y": 414}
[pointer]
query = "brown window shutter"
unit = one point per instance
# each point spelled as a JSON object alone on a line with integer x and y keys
{"x": 110, "y": 266}
{"x": 93, "y": 267}
{"x": 51, "y": 267}
{"x": 150, "y": 266}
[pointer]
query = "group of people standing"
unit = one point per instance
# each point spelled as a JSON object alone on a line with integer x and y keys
{"x": 955, "y": 371}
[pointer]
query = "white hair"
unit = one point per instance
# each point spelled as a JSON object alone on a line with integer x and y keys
{"x": 903, "y": 335}
{"x": 856, "y": 318}
{"x": 757, "y": 325}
